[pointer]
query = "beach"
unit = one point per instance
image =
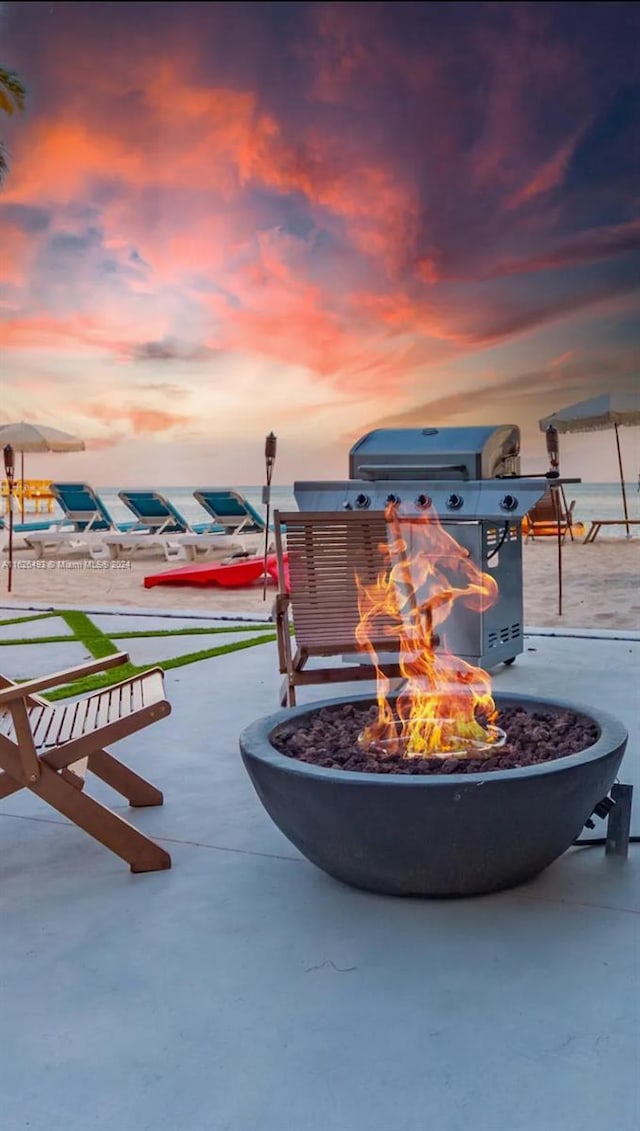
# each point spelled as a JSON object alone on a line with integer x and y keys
{"x": 601, "y": 586}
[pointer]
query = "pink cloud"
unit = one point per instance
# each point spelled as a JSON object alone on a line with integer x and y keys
{"x": 550, "y": 174}
{"x": 139, "y": 419}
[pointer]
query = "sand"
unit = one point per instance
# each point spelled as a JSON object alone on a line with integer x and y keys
{"x": 601, "y": 586}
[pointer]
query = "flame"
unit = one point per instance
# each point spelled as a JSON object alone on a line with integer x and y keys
{"x": 446, "y": 705}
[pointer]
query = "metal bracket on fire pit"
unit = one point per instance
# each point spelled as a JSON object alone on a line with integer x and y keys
{"x": 619, "y": 822}
{"x": 616, "y": 807}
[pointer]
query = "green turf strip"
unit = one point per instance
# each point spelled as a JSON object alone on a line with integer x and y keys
{"x": 23, "y": 620}
{"x": 37, "y": 640}
{"x": 125, "y": 671}
{"x": 98, "y": 644}
{"x": 191, "y": 631}
{"x": 140, "y": 635}
{"x": 95, "y": 641}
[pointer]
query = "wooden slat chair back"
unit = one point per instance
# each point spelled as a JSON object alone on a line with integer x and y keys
{"x": 43, "y": 744}
{"x": 549, "y": 512}
{"x": 325, "y": 551}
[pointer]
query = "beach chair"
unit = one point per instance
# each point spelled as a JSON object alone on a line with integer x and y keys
{"x": 161, "y": 526}
{"x": 318, "y": 596}
{"x": 20, "y": 526}
{"x": 192, "y": 547}
{"x": 543, "y": 519}
{"x": 234, "y": 515}
{"x": 45, "y": 747}
{"x": 85, "y": 517}
{"x": 156, "y": 513}
{"x": 30, "y": 527}
{"x": 598, "y": 523}
{"x": 24, "y": 530}
{"x": 230, "y": 510}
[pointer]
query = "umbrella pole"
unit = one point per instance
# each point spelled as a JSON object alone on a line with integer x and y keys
{"x": 8, "y": 468}
{"x": 622, "y": 486}
{"x": 556, "y": 504}
{"x": 22, "y": 486}
{"x": 10, "y": 569}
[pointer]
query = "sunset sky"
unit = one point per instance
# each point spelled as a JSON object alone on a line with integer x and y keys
{"x": 227, "y": 218}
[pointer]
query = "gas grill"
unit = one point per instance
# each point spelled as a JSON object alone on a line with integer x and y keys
{"x": 470, "y": 478}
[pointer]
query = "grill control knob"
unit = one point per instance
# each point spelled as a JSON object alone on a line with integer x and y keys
{"x": 362, "y": 502}
{"x": 347, "y": 506}
{"x": 509, "y": 503}
{"x": 422, "y": 502}
{"x": 454, "y": 502}
{"x": 392, "y": 499}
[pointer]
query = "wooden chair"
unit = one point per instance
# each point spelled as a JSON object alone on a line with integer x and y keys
{"x": 325, "y": 550}
{"x": 45, "y": 746}
{"x": 550, "y": 511}
{"x": 598, "y": 523}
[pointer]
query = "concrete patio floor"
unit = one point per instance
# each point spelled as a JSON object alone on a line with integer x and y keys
{"x": 244, "y": 990}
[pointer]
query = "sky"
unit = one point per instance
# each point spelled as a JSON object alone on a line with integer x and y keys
{"x": 223, "y": 219}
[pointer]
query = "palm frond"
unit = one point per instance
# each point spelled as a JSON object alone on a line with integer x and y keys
{"x": 4, "y": 163}
{"x": 13, "y": 95}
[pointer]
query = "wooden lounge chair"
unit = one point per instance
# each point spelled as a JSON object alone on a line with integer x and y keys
{"x": 543, "y": 519}
{"x": 325, "y": 549}
{"x": 43, "y": 747}
{"x": 598, "y": 523}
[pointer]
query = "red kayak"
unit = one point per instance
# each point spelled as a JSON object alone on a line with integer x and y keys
{"x": 233, "y": 575}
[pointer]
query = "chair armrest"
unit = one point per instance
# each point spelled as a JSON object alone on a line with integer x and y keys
{"x": 21, "y": 690}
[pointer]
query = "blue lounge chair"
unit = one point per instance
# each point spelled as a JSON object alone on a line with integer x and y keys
{"x": 165, "y": 528}
{"x": 157, "y": 514}
{"x": 230, "y": 510}
{"x": 85, "y": 519}
{"x": 83, "y": 509}
{"x": 76, "y": 497}
{"x": 25, "y": 527}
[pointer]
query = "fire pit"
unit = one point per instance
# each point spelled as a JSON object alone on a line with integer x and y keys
{"x": 439, "y": 788}
{"x": 439, "y": 834}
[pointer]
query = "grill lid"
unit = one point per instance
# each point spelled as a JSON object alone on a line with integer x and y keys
{"x": 489, "y": 452}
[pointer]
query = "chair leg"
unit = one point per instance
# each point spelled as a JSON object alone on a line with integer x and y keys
{"x": 287, "y": 693}
{"x": 76, "y": 773}
{"x": 293, "y": 664}
{"x": 73, "y": 779}
{"x": 138, "y": 792}
{"x": 288, "y": 687}
{"x": 9, "y": 785}
{"x": 141, "y": 853}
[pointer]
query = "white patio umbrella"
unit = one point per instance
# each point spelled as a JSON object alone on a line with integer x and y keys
{"x": 24, "y": 437}
{"x": 610, "y": 410}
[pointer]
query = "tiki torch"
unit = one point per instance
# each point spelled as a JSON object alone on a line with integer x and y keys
{"x": 553, "y": 451}
{"x": 270, "y": 446}
{"x": 557, "y": 494}
{"x": 9, "y": 470}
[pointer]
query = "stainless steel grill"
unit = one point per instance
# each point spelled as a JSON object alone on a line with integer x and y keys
{"x": 470, "y": 478}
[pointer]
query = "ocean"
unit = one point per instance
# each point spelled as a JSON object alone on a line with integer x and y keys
{"x": 593, "y": 500}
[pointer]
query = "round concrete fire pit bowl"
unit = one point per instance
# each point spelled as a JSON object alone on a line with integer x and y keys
{"x": 435, "y": 835}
